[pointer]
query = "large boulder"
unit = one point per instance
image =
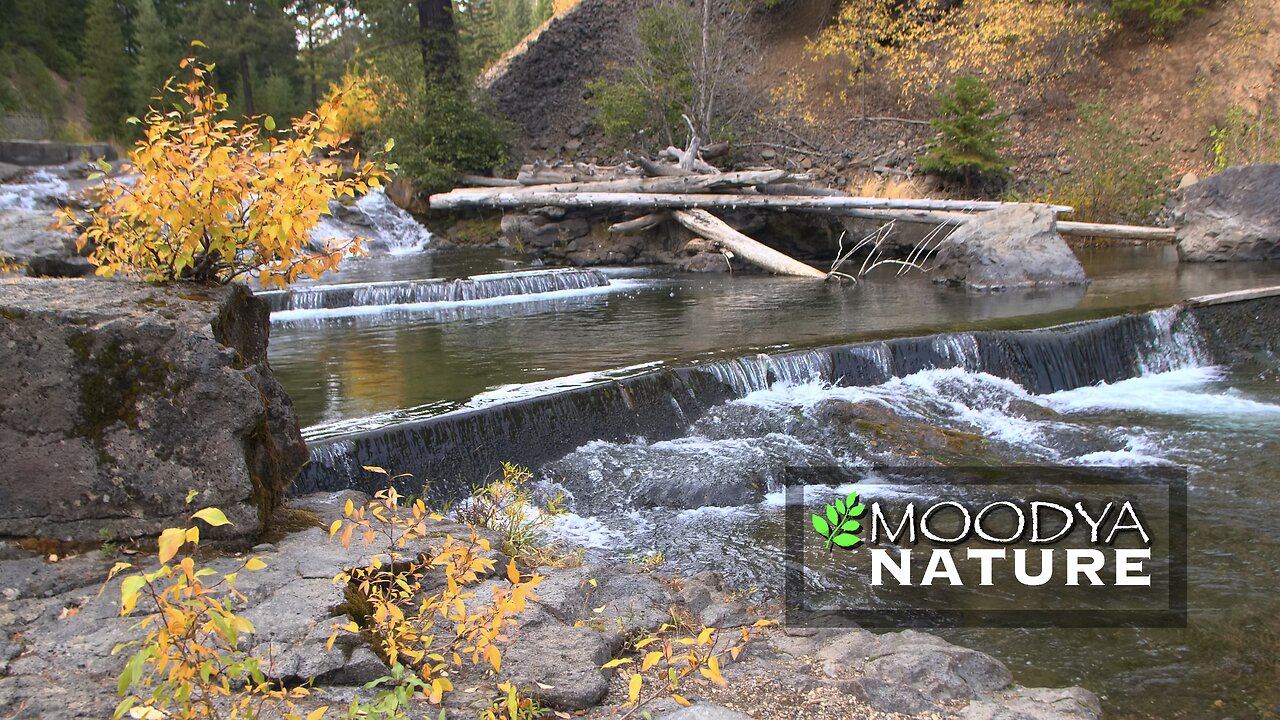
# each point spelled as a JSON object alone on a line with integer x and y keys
{"x": 1230, "y": 216}
{"x": 120, "y": 397}
{"x": 27, "y": 238}
{"x": 1016, "y": 246}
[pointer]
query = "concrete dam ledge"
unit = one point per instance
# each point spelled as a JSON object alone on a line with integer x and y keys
{"x": 455, "y": 451}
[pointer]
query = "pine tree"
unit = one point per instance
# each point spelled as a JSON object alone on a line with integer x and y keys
{"x": 970, "y": 135}
{"x": 107, "y": 70}
{"x": 159, "y": 52}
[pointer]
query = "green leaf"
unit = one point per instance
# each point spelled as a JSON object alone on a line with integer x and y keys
{"x": 840, "y": 506}
{"x": 850, "y": 525}
{"x": 269, "y": 123}
{"x": 846, "y": 540}
{"x": 857, "y": 510}
{"x": 832, "y": 516}
{"x": 821, "y": 526}
{"x": 851, "y": 500}
{"x": 191, "y": 495}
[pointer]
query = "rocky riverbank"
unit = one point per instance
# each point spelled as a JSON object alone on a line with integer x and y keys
{"x": 56, "y": 659}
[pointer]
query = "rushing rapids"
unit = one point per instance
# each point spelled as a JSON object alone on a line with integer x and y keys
{"x": 410, "y": 292}
{"x": 662, "y": 403}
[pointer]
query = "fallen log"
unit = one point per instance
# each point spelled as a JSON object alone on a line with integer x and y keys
{"x": 1065, "y": 227}
{"x": 712, "y": 228}
{"x": 644, "y": 222}
{"x": 681, "y": 184}
{"x": 496, "y": 198}
{"x": 538, "y": 174}
{"x": 1120, "y": 232}
{"x": 782, "y": 188}
{"x": 690, "y": 163}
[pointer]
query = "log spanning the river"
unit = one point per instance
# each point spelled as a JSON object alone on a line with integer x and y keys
{"x": 477, "y": 197}
{"x": 506, "y": 198}
{"x": 713, "y": 228}
{"x": 1065, "y": 227}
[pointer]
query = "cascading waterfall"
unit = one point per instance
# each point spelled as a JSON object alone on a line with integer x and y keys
{"x": 662, "y": 403}
{"x": 40, "y": 190}
{"x": 476, "y": 287}
{"x": 384, "y": 226}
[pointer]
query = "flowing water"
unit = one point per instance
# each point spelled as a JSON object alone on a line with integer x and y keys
{"x": 708, "y": 494}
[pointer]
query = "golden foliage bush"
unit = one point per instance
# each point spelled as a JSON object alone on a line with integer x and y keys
{"x": 190, "y": 664}
{"x": 428, "y": 631}
{"x": 215, "y": 200}
{"x": 925, "y": 44}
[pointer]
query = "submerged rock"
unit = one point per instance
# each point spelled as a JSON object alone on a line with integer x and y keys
{"x": 1016, "y": 246}
{"x": 121, "y": 397}
{"x": 1230, "y": 216}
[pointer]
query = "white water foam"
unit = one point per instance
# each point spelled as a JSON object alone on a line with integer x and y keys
{"x": 359, "y": 310}
{"x": 1186, "y": 391}
{"x": 42, "y": 189}
{"x": 384, "y": 226}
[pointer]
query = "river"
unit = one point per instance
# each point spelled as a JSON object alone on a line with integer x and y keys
{"x": 373, "y": 368}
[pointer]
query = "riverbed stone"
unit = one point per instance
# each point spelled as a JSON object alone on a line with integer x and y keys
{"x": 704, "y": 711}
{"x": 1230, "y": 216}
{"x": 1015, "y": 246}
{"x": 123, "y": 396}
{"x": 27, "y": 238}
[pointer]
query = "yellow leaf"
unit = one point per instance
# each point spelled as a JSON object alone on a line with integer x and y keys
{"x": 318, "y": 713}
{"x": 337, "y": 524}
{"x": 650, "y": 660}
{"x": 375, "y": 469}
{"x": 680, "y": 700}
{"x": 170, "y": 542}
{"x": 130, "y": 589}
{"x": 213, "y": 516}
{"x": 633, "y": 688}
{"x": 254, "y": 564}
{"x": 513, "y": 574}
{"x": 704, "y": 637}
{"x": 615, "y": 663}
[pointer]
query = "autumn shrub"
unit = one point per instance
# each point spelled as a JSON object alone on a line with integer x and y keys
{"x": 971, "y": 135}
{"x": 1114, "y": 177}
{"x": 426, "y": 626}
{"x": 214, "y": 200}
{"x": 190, "y": 663}
{"x": 1016, "y": 45}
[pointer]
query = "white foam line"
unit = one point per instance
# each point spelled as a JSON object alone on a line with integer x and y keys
{"x": 358, "y": 310}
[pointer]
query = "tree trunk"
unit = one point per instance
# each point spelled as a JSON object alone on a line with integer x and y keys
{"x": 438, "y": 37}
{"x": 713, "y": 228}
{"x": 679, "y": 184}
{"x": 246, "y": 84}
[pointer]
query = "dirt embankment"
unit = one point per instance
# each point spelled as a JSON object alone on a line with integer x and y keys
{"x": 1174, "y": 90}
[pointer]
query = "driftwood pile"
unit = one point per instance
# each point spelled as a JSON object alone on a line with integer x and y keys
{"x": 684, "y": 188}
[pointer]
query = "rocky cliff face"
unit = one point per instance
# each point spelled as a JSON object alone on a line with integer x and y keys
{"x": 117, "y": 398}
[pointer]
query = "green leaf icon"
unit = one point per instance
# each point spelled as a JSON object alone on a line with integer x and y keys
{"x": 840, "y": 523}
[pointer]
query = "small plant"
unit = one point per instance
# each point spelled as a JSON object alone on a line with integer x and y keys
{"x": 1244, "y": 138}
{"x": 513, "y": 706}
{"x": 970, "y": 135}
{"x": 670, "y": 660}
{"x": 652, "y": 560}
{"x": 426, "y": 631}
{"x": 107, "y": 546}
{"x": 215, "y": 200}
{"x": 507, "y": 507}
{"x": 190, "y": 664}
